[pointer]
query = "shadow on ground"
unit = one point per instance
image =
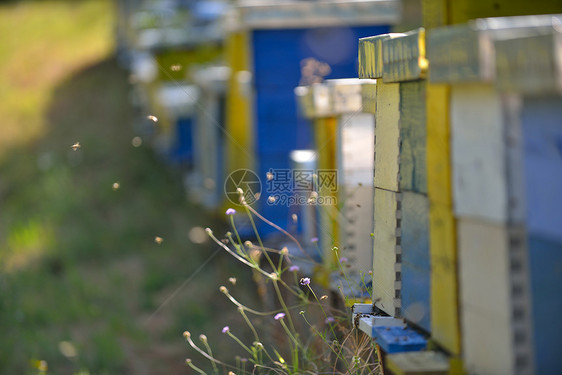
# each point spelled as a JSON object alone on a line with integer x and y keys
{"x": 84, "y": 285}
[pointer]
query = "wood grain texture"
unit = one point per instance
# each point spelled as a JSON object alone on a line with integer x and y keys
{"x": 445, "y": 318}
{"x": 413, "y": 175}
{"x": 416, "y": 270}
{"x": 478, "y": 153}
{"x": 387, "y": 136}
{"x": 485, "y": 297}
{"x": 385, "y": 265}
{"x": 404, "y": 57}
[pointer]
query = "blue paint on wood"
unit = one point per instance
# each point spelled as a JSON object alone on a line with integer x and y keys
{"x": 546, "y": 287}
{"x": 182, "y": 150}
{"x": 416, "y": 270}
{"x": 398, "y": 339}
{"x": 542, "y": 137}
{"x": 276, "y": 65}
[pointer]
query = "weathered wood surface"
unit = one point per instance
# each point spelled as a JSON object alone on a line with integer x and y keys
{"x": 478, "y": 153}
{"x": 386, "y": 267}
{"x": 485, "y": 297}
{"x": 355, "y": 159}
{"x": 413, "y": 134}
{"x": 387, "y": 136}
{"x": 416, "y": 270}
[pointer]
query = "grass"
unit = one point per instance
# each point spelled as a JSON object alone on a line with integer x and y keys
{"x": 83, "y": 284}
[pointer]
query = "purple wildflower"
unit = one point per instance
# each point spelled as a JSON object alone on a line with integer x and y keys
{"x": 294, "y": 269}
{"x": 225, "y": 329}
{"x": 329, "y": 320}
{"x": 230, "y": 211}
{"x": 314, "y": 239}
{"x": 279, "y": 316}
{"x": 343, "y": 260}
{"x": 305, "y": 281}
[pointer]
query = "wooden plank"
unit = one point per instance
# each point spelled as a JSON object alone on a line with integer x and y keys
{"x": 355, "y": 160}
{"x": 325, "y": 139}
{"x": 387, "y": 136}
{"x": 418, "y": 363}
{"x": 438, "y": 146}
{"x": 386, "y": 265}
{"x": 542, "y": 134}
{"x": 413, "y": 175}
{"x": 370, "y": 55}
{"x": 398, "y": 339}
{"x": 461, "y": 11}
{"x": 485, "y": 297}
{"x": 404, "y": 57}
{"x": 478, "y": 153}
{"x": 239, "y": 124}
{"x": 445, "y": 318}
{"x": 416, "y": 272}
{"x": 546, "y": 283}
{"x": 530, "y": 64}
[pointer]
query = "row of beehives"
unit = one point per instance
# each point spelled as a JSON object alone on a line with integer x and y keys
{"x": 463, "y": 130}
{"x": 458, "y": 224}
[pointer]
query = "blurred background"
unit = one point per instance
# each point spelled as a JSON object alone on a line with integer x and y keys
{"x": 84, "y": 285}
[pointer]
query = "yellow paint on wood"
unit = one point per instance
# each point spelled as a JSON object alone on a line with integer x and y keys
{"x": 445, "y": 322}
{"x": 387, "y": 136}
{"x": 463, "y": 10}
{"x": 435, "y": 13}
{"x": 325, "y": 139}
{"x": 438, "y": 149}
{"x": 384, "y": 255}
{"x": 239, "y": 126}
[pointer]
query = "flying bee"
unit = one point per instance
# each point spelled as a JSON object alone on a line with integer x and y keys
{"x": 76, "y": 146}
{"x": 158, "y": 240}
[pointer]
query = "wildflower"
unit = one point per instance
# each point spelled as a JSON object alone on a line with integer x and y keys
{"x": 209, "y": 231}
{"x": 314, "y": 239}
{"x": 152, "y": 118}
{"x": 232, "y": 280}
{"x": 186, "y": 334}
{"x": 301, "y": 312}
{"x": 188, "y": 361}
{"x": 115, "y": 185}
{"x": 284, "y": 251}
{"x": 279, "y": 316}
{"x": 329, "y": 320}
{"x": 226, "y": 329}
{"x": 230, "y": 211}
{"x": 305, "y": 281}
{"x": 203, "y": 338}
{"x": 294, "y": 269}
{"x": 76, "y": 146}
{"x": 158, "y": 240}
{"x": 343, "y": 260}
{"x": 223, "y": 289}
{"x": 243, "y": 360}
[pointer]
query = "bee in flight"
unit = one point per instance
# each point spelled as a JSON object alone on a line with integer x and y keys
{"x": 76, "y": 146}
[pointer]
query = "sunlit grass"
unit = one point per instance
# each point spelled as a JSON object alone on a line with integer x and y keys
{"x": 42, "y": 42}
